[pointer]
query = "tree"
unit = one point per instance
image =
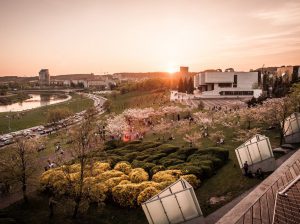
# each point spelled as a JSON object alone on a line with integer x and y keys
{"x": 295, "y": 97}
{"x": 190, "y": 86}
{"x": 90, "y": 112}
{"x": 19, "y": 165}
{"x": 58, "y": 114}
{"x": 275, "y": 111}
{"x": 107, "y": 105}
{"x": 180, "y": 86}
{"x": 185, "y": 85}
{"x": 84, "y": 144}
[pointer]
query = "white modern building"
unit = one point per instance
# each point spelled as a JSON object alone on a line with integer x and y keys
{"x": 227, "y": 84}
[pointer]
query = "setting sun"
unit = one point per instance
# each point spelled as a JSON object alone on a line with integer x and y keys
{"x": 172, "y": 69}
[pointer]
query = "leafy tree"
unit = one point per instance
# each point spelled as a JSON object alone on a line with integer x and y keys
{"x": 20, "y": 164}
{"x": 275, "y": 111}
{"x": 180, "y": 86}
{"x": 185, "y": 85}
{"x": 107, "y": 106}
{"x": 82, "y": 148}
{"x": 190, "y": 86}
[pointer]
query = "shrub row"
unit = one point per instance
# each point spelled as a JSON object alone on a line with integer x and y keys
{"x": 127, "y": 186}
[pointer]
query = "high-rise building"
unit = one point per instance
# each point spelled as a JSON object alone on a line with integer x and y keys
{"x": 184, "y": 70}
{"x": 44, "y": 77}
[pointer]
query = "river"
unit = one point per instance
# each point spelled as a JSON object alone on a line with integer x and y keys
{"x": 35, "y": 101}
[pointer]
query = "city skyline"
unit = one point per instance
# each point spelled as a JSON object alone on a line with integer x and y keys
{"x": 146, "y": 36}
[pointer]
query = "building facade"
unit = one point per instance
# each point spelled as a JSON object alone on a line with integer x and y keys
{"x": 289, "y": 73}
{"x": 44, "y": 77}
{"x": 224, "y": 84}
{"x": 184, "y": 70}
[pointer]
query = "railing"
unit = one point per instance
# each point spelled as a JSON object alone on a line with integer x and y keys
{"x": 262, "y": 210}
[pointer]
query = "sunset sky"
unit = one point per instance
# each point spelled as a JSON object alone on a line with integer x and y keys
{"x": 84, "y": 36}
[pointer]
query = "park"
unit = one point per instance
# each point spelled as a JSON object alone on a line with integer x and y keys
{"x": 110, "y": 163}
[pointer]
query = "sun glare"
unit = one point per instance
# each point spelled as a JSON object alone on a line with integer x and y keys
{"x": 171, "y": 69}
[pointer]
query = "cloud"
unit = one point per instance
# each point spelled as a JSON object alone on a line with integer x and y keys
{"x": 287, "y": 14}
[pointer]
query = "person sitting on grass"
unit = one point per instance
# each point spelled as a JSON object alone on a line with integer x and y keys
{"x": 259, "y": 174}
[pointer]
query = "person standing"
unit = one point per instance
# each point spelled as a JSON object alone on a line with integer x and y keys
{"x": 51, "y": 204}
{"x": 246, "y": 167}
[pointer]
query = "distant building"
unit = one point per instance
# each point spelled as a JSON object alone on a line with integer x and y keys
{"x": 288, "y": 73}
{"x": 218, "y": 84}
{"x": 184, "y": 70}
{"x": 44, "y": 77}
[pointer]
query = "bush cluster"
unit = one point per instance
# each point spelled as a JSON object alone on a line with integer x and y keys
{"x": 124, "y": 185}
{"x": 154, "y": 157}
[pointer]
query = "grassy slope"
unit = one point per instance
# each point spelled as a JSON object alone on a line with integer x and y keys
{"x": 38, "y": 116}
{"x": 140, "y": 99}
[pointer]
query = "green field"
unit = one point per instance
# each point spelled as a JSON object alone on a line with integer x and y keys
{"x": 138, "y": 99}
{"x": 38, "y": 116}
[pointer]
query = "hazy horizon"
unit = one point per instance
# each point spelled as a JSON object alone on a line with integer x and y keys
{"x": 94, "y": 36}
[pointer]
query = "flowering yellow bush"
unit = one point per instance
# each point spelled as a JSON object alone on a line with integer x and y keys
{"x": 112, "y": 182}
{"x": 138, "y": 175}
{"x": 192, "y": 179}
{"x": 99, "y": 168}
{"x": 108, "y": 174}
{"x": 146, "y": 194}
{"x": 74, "y": 168}
{"x": 147, "y": 184}
{"x": 124, "y": 182}
{"x": 126, "y": 194}
{"x": 51, "y": 176}
{"x": 123, "y": 167}
{"x": 98, "y": 192}
{"x": 128, "y": 187}
{"x": 166, "y": 175}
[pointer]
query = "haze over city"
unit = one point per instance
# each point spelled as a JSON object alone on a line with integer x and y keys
{"x": 72, "y": 36}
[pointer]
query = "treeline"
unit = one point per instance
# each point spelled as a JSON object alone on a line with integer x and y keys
{"x": 145, "y": 85}
{"x": 278, "y": 86}
{"x": 186, "y": 85}
{"x": 13, "y": 98}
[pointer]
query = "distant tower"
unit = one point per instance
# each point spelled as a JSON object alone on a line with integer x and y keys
{"x": 44, "y": 77}
{"x": 184, "y": 70}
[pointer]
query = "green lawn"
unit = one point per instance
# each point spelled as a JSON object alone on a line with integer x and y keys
{"x": 138, "y": 99}
{"x": 38, "y": 116}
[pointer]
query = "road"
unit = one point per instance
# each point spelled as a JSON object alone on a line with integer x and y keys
{"x": 37, "y": 131}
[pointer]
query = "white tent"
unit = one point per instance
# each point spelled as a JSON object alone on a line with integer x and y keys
{"x": 175, "y": 204}
{"x": 291, "y": 128}
{"x": 258, "y": 153}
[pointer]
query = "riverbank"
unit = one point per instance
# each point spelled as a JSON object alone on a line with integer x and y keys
{"x": 15, "y": 121}
{"x": 11, "y": 98}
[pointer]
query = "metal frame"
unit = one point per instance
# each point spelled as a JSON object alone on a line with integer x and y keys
{"x": 245, "y": 146}
{"x": 186, "y": 187}
{"x": 291, "y": 119}
{"x": 273, "y": 189}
